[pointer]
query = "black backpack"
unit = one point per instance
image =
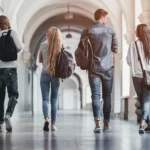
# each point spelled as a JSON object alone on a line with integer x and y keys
{"x": 65, "y": 65}
{"x": 8, "y": 50}
{"x": 84, "y": 54}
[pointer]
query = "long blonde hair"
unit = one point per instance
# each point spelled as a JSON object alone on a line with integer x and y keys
{"x": 54, "y": 48}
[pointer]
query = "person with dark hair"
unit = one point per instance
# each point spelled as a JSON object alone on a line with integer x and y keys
{"x": 104, "y": 41}
{"x": 8, "y": 77}
{"x": 141, "y": 47}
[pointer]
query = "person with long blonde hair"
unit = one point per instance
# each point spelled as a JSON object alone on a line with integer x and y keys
{"x": 49, "y": 51}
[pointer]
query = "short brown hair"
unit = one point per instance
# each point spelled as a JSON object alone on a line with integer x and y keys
{"x": 100, "y": 13}
{"x": 4, "y": 22}
{"x": 3, "y": 19}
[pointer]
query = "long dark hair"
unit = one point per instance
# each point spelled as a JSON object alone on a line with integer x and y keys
{"x": 143, "y": 33}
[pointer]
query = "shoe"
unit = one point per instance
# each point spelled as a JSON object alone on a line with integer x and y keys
{"x": 8, "y": 123}
{"x": 1, "y": 127}
{"x": 141, "y": 130}
{"x": 147, "y": 129}
{"x": 46, "y": 126}
{"x": 107, "y": 127}
{"x": 53, "y": 127}
{"x": 97, "y": 129}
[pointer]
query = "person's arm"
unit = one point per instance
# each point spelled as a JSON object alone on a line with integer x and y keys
{"x": 114, "y": 46}
{"x": 128, "y": 58}
{"x": 40, "y": 56}
{"x": 16, "y": 40}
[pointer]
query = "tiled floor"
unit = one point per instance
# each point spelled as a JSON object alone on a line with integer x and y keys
{"x": 75, "y": 132}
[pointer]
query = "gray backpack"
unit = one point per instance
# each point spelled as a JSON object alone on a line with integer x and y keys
{"x": 65, "y": 65}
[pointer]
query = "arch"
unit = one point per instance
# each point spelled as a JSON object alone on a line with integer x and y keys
{"x": 51, "y": 8}
{"x": 80, "y": 89}
{"x": 56, "y": 9}
{"x": 69, "y": 95}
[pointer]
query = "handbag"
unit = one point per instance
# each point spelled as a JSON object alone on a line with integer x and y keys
{"x": 146, "y": 73}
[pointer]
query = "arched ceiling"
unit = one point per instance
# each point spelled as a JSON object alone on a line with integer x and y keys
{"x": 82, "y": 10}
{"x": 32, "y": 17}
{"x": 37, "y": 15}
{"x": 26, "y": 15}
{"x": 77, "y": 24}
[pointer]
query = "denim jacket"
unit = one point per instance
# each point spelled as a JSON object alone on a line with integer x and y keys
{"x": 104, "y": 42}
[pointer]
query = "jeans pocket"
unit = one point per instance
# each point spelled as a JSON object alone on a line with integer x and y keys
{"x": 110, "y": 72}
{"x": 12, "y": 75}
{"x": 108, "y": 75}
{"x": 95, "y": 65}
{"x": 14, "y": 71}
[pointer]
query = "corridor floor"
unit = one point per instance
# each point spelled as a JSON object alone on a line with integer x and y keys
{"x": 75, "y": 132}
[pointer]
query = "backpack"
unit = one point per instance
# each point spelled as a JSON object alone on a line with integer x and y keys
{"x": 84, "y": 54}
{"x": 65, "y": 65}
{"x": 8, "y": 50}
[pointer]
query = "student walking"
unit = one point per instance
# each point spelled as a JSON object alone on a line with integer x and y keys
{"x": 139, "y": 52}
{"x": 8, "y": 71}
{"x": 104, "y": 41}
{"x": 49, "y": 83}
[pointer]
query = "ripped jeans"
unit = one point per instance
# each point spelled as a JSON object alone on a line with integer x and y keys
{"x": 143, "y": 96}
{"x": 102, "y": 81}
{"x": 9, "y": 80}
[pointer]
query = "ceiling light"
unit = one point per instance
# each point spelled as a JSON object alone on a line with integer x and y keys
{"x": 68, "y": 15}
{"x": 68, "y": 36}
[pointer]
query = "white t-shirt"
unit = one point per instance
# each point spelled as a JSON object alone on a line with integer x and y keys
{"x": 11, "y": 64}
{"x": 132, "y": 59}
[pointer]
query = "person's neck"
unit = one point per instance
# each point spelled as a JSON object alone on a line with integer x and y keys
{"x": 99, "y": 21}
{"x": 4, "y": 28}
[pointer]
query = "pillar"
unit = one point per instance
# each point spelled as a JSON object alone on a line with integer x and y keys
{"x": 130, "y": 36}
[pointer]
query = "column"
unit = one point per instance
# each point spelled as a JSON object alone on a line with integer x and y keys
{"x": 145, "y": 15}
{"x": 145, "y": 18}
{"x": 130, "y": 36}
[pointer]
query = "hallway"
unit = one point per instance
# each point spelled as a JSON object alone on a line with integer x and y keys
{"x": 75, "y": 132}
{"x": 31, "y": 20}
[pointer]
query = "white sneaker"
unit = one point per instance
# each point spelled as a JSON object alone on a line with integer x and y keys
{"x": 141, "y": 130}
{"x": 97, "y": 129}
{"x": 8, "y": 123}
{"x": 53, "y": 127}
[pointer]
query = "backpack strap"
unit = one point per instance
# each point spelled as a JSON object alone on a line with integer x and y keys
{"x": 9, "y": 32}
{"x": 62, "y": 47}
{"x": 137, "y": 49}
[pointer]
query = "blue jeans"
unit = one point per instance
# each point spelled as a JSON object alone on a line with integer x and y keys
{"x": 9, "y": 80}
{"x": 49, "y": 84}
{"x": 102, "y": 81}
{"x": 143, "y": 96}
